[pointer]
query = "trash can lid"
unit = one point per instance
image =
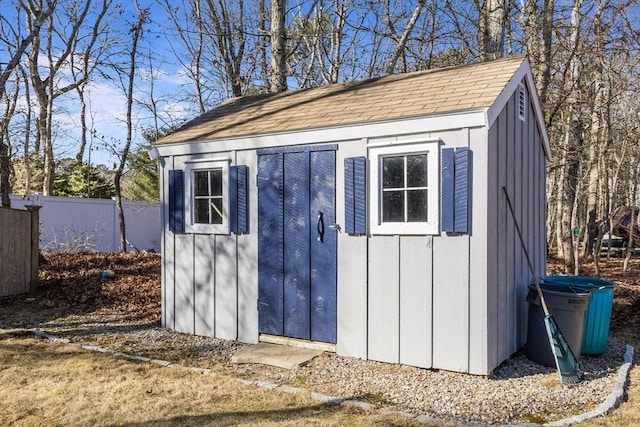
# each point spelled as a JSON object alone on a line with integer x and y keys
{"x": 580, "y": 281}
{"x": 562, "y": 289}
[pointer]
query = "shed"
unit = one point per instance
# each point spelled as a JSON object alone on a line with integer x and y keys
{"x": 368, "y": 216}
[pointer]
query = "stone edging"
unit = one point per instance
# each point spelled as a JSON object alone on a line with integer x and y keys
{"x": 616, "y": 397}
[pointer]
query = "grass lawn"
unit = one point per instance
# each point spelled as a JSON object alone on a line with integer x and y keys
{"x": 52, "y": 384}
{"x": 628, "y": 414}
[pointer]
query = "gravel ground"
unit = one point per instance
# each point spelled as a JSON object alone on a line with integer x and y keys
{"x": 74, "y": 302}
{"x": 519, "y": 391}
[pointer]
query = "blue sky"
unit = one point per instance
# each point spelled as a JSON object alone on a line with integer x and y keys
{"x": 106, "y": 102}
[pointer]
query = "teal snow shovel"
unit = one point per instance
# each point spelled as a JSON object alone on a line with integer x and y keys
{"x": 566, "y": 362}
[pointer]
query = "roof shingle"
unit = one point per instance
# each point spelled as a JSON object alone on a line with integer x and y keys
{"x": 396, "y": 96}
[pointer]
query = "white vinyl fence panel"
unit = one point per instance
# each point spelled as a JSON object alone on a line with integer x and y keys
{"x": 79, "y": 224}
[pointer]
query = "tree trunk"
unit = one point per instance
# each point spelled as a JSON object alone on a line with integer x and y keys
{"x": 337, "y": 34}
{"x": 492, "y": 29}
{"x": 136, "y": 32}
{"x": 261, "y": 46}
{"x": 597, "y": 120}
{"x": 572, "y": 142}
{"x": 402, "y": 42}
{"x": 83, "y": 124}
{"x": 49, "y": 161}
{"x": 5, "y": 145}
{"x": 278, "y": 46}
{"x": 571, "y": 153}
{"x": 39, "y": 16}
{"x": 27, "y": 133}
{"x": 5, "y": 171}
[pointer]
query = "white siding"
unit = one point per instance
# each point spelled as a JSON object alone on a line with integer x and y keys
{"x": 384, "y": 299}
{"x": 482, "y": 305}
{"x": 168, "y": 261}
{"x": 247, "y": 250}
{"x": 451, "y": 303}
{"x": 416, "y": 300}
{"x": 508, "y": 303}
{"x": 204, "y": 292}
{"x": 184, "y": 297}
{"x": 516, "y": 155}
{"x": 352, "y": 269}
{"x": 494, "y": 257}
{"x": 226, "y": 288}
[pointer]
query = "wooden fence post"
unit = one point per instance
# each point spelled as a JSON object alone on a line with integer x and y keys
{"x": 35, "y": 245}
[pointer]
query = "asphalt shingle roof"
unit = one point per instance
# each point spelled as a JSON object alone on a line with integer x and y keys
{"x": 420, "y": 93}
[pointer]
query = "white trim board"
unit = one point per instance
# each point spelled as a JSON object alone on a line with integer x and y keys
{"x": 439, "y": 123}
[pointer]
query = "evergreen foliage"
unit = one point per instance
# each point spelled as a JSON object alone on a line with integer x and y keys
{"x": 141, "y": 181}
{"x": 77, "y": 179}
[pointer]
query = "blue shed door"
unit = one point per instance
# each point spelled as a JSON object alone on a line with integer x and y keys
{"x": 296, "y": 245}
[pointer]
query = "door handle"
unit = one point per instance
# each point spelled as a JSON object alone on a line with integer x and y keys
{"x": 320, "y": 227}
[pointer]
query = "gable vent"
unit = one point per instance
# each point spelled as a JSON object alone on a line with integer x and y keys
{"x": 522, "y": 102}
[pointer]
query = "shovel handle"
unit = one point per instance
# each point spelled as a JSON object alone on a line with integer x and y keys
{"x": 526, "y": 253}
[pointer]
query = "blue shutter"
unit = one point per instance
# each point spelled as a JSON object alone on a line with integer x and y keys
{"x": 349, "y": 197}
{"x": 355, "y": 191}
{"x": 461, "y": 190}
{"x": 448, "y": 185}
{"x": 238, "y": 198}
{"x": 243, "y": 199}
{"x": 233, "y": 199}
{"x": 360, "y": 194}
{"x": 455, "y": 190}
{"x": 176, "y": 201}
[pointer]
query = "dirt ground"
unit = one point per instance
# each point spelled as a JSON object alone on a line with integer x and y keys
{"x": 72, "y": 283}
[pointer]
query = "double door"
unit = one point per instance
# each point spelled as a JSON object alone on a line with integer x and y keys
{"x": 297, "y": 243}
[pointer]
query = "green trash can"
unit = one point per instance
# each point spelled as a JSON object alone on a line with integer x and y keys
{"x": 598, "y": 316}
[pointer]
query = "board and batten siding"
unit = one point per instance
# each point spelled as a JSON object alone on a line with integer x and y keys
{"x": 516, "y": 160}
{"x": 418, "y": 306}
{"x": 209, "y": 282}
{"x": 352, "y": 268}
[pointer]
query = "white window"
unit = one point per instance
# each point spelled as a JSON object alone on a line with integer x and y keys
{"x": 405, "y": 189}
{"x": 207, "y": 207}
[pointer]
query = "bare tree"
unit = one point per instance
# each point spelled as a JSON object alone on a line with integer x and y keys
{"x": 136, "y": 31}
{"x": 402, "y": 41}
{"x": 14, "y": 44}
{"x": 67, "y": 33}
{"x": 209, "y": 39}
{"x": 278, "y": 46}
{"x": 228, "y": 33}
{"x": 18, "y": 44}
{"x": 10, "y": 102}
{"x": 189, "y": 14}
{"x": 493, "y": 15}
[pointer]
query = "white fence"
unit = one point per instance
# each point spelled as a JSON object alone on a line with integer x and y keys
{"x": 77, "y": 224}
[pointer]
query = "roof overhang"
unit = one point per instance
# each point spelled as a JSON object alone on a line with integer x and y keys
{"x": 523, "y": 73}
